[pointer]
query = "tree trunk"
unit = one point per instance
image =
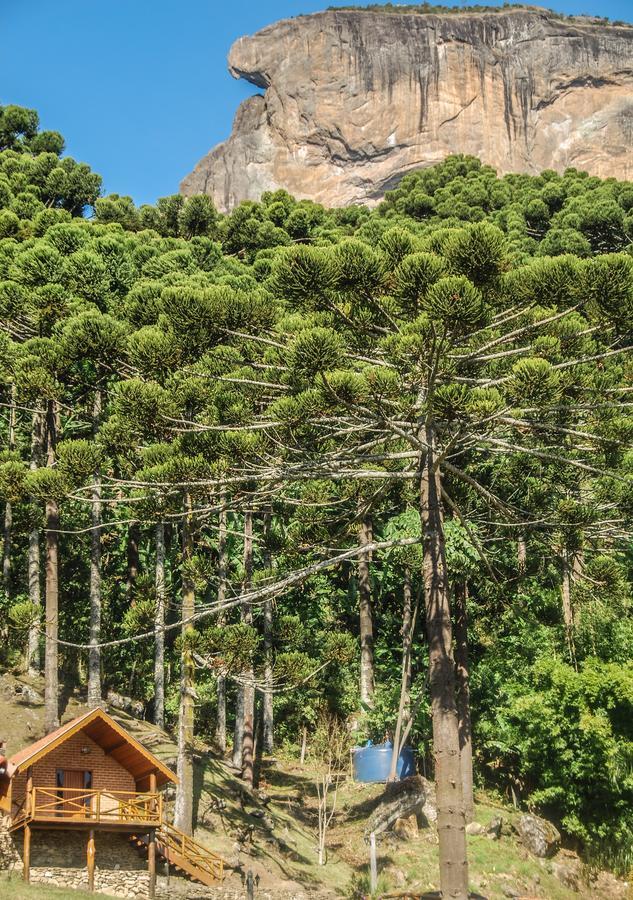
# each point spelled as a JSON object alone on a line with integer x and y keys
{"x": 34, "y": 662}
{"x": 567, "y": 558}
{"x": 521, "y": 554}
{"x": 94, "y": 652}
{"x": 238, "y": 729}
{"x": 133, "y": 538}
{"x": 6, "y": 546}
{"x": 259, "y": 740}
{"x": 51, "y": 654}
{"x": 267, "y": 739}
{"x": 249, "y": 675}
{"x": 450, "y": 804}
{"x": 8, "y": 509}
{"x": 220, "y": 720}
{"x": 408, "y": 627}
{"x": 463, "y": 697}
{"x": 304, "y": 744}
{"x": 159, "y": 629}
{"x": 366, "y": 615}
{"x": 183, "y": 813}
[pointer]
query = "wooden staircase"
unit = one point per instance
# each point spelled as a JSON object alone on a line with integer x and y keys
{"x": 183, "y": 853}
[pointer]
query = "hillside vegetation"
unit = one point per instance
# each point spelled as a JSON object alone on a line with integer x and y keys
{"x": 405, "y": 9}
{"x": 294, "y": 472}
{"x": 275, "y": 827}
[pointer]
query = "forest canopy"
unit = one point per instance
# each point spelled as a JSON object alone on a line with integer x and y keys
{"x": 272, "y": 453}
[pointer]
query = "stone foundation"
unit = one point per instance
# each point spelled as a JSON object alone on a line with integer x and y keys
{"x": 58, "y": 858}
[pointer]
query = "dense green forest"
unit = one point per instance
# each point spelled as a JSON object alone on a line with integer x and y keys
{"x": 268, "y": 468}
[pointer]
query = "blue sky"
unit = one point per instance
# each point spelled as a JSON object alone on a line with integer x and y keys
{"x": 140, "y": 88}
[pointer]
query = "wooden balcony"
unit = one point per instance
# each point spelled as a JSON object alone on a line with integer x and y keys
{"x": 72, "y": 807}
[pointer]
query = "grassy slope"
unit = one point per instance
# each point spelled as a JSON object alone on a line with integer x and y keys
{"x": 495, "y": 866}
{"x": 14, "y": 889}
{"x": 285, "y": 856}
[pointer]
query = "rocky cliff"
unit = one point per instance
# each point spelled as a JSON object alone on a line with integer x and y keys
{"x": 354, "y": 99}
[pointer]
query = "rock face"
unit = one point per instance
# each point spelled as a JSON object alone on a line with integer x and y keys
{"x": 538, "y": 835}
{"x": 354, "y": 99}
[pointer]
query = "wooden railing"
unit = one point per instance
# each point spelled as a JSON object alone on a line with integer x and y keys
{"x": 97, "y": 806}
{"x": 194, "y": 853}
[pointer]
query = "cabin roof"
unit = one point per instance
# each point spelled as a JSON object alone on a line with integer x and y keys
{"x": 107, "y": 734}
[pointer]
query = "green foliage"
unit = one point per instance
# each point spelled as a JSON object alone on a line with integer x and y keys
{"x": 22, "y": 615}
{"x": 46, "y": 484}
{"x": 288, "y": 359}
{"x": 571, "y": 741}
{"x": 456, "y": 304}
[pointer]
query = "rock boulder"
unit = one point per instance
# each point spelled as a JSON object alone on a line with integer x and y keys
{"x": 538, "y": 835}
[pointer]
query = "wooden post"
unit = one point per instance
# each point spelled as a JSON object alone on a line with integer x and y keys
{"x": 27, "y": 853}
{"x": 154, "y": 808}
{"x": 29, "y": 792}
{"x": 373, "y": 867}
{"x": 151, "y": 863}
{"x": 90, "y": 853}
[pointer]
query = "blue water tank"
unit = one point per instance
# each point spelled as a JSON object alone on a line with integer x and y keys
{"x": 373, "y": 762}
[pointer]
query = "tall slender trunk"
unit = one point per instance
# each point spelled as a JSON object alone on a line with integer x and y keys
{"x": 259, "y": 740}
{"x": 220, "y": 720}
{"x": 451, "y": 826}
{"x": 568, "y": 567}
{"x": 183, "y": 813}
{"x": 8, "y": 509}
{"x": 249, "y": 676}
{"x": 521, "y": 554}
{"x": 267, "y": 726}
{"x": 238, "y": 728}
{"x": 463, "y": 696}
{"x": 94, "y": 652}
{"x": 6, "y": 546}
{"x": 159, "y": 629}
{"x": 51, "y": 654}
{"x": 34, "y": 661}
{"x": 365, "y": 535}
{"x": 133, "y": 538}
{"x": 408, "y": 628}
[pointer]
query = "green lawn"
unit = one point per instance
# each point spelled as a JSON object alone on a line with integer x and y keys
{"x": 13, "y": 888}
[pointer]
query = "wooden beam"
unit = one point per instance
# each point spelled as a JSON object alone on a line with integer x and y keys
{"x": 27, "y": 853}
{"x": 151, "y": 863}
{"x": 90, "y": 854}
{"x": 118, "y": 746}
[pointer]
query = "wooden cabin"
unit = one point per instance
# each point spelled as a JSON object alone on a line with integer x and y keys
{"x": 90, "y": 777}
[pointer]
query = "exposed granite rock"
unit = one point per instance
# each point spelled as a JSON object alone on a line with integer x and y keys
{"x": 354, "y": 99}
{"x": 538, "y": 835}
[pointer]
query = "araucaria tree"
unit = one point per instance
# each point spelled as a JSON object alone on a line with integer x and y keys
{"x": 433, "y": 361}
{"x": 248, "y": 460}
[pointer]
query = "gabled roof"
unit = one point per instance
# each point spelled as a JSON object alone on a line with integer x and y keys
{"x": 110, "y": 736}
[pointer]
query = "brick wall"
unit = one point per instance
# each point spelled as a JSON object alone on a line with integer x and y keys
{"x": 107, "y": 774}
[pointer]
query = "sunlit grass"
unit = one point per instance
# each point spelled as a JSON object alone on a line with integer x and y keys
{"x": 13, "y": 888}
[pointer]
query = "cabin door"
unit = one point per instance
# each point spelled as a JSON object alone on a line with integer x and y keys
{"x": 75, "y": 783}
